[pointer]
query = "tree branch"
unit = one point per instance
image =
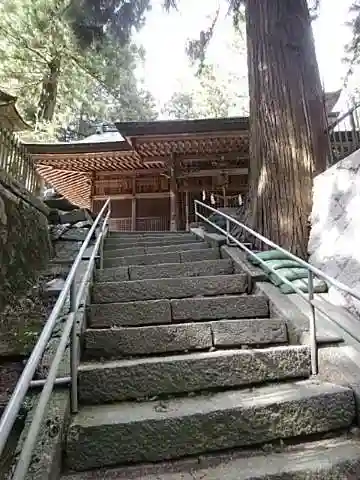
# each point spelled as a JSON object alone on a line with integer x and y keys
{"x": 170, "y": 4}
{"x": 196, "y": 49}
{"x": 93, "y": 75}
{"x": 19, "y": 41}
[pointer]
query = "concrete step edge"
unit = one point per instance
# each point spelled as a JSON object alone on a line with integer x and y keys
{"x": 197, "y": 262}
{"x": 175, "y": 287}
{"x": 175, "y": 311}
{"x": 150, "y": 240}
{"x": 175, "y": 338}
{"x": 165, "y": 280}
{"x": 131, "y": 432}
{"x": 142, "y": 250}
{"x": 142, "y": 378}
{"x": 336, "y": 458}
{"x": 158, "y": 258}
{"x": 110, "y": 246}
{"x": 127, "y": 362}
{"x": 148, "y": 234}
{"x": 165, "y": 270}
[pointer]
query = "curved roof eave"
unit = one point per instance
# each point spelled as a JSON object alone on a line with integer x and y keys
{"x": 182, "y": 127}
{"x": 7, "y": 102}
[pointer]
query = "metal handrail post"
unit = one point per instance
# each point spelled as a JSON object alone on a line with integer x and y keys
{"x": 227, "y": 231}
{"x": 73, "y": 352}
{"x": 101, "y": 253}
{"x": 103, "y": 233}
{"x": 312, "y": 272}
{"x": 312, "y": 330}
{"x": 13, "y": 407}
{"x": 303, "y": 263}
{"x": 26, "y": 451}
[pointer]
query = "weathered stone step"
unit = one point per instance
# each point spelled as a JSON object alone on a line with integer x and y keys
{"x": 217, "y": 308}
{"x": 113, "y": 243}
{"x": 158, "y": 258}
{"x": 129, "y": 314}
{"x": 151, "y": 340}
{"x": 147, "y": 340}
{"x": 155, "y": 312}
{"x": 166, "y": 270}
{"x": 143, "y": 250}
{"x": 332, "y": 459}
{"x": 130, "y": 234}
{"x": 145, "y": 377}
{"x": 153, "y": 431}
{"x": 178, "y": 287}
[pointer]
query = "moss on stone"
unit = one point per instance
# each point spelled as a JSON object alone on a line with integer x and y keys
{"x": 25, "y": 249}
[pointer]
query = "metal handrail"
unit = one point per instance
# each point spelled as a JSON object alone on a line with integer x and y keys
{"x": 310, "y": 268}
{"x": 70, "y": 330}
{"x": 344, "y": 139}
{"x": 343, "y": 117}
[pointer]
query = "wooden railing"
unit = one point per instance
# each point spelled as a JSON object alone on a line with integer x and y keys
{"x": 143, "y": 224}
{"x": 344, "y": 135}
{"x": 16, "y": 162}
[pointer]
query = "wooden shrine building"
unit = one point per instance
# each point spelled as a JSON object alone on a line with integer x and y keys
{"x": 153, "y": 172}
{"x": 10, "y": 118}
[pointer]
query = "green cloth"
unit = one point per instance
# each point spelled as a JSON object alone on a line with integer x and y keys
{"x": 268, "y": 255}
{"x": 289, "y": 269}
{"x": 288, "y": 273}
{"x": 319, "y": 286}
{"x": 280, "y": 263}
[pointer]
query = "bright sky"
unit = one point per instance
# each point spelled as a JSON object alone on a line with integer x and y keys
{"x": 164, "y": 37}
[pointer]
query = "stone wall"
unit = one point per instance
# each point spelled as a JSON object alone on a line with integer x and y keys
{"x": 334, "y": 244}
{"x": 25, "y": 249}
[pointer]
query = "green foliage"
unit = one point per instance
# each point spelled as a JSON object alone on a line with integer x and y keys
{"x": 216, "y": 91}
{"x": 92, "y": 20}
{"x": 197, "y": 48}
{"x": 181, "y": 107}
{"x": 72, "y": 64}
{"x": 353, "y": 48}
{"x": 60, "y": 81}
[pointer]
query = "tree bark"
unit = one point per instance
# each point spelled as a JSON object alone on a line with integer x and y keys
{"x": 287, "y": 121}
{"x": 48, "y": 96}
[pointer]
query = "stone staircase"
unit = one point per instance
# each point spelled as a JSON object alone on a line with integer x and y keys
{"x": 181, "y": 360}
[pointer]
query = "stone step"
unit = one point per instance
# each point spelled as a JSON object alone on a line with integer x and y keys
{"x": 147, "y": 377}
{"x": 151, "y": 312}
{"x": 143, "y": 250}
{"x": 217, "y": 308}
{"x": 132, "y": 432}
{"x": 156, "y": 234}
{"x": 156, "y": 312}
{"x": 332, "y": 459}
{"x": 113, "y": 243}
{"x": 166, "y": 270}
{"x": 150, "y": 340}
{"x": 178, "y": 287}
{"x": 158, "y": 258}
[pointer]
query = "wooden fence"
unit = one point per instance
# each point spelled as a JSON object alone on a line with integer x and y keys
{"x": 16, "y": 162}
{"x": 344, "y": 135}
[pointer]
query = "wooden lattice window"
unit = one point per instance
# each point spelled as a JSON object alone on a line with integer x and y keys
{"x": 147, "y": 184}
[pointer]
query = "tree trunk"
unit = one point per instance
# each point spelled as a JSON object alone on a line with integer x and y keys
{"x": 48, "y": 96}
{"x": 287, "y": 121}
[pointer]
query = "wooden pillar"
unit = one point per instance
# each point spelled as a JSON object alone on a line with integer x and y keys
{"x": 187, "y": 210}
{"x": 93, "y": 191}
{"x": 133, "y": 205}
{"x": 224, "y": 196}
{"x": 41, "y": 187}
{"x": 174, "y": 223}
